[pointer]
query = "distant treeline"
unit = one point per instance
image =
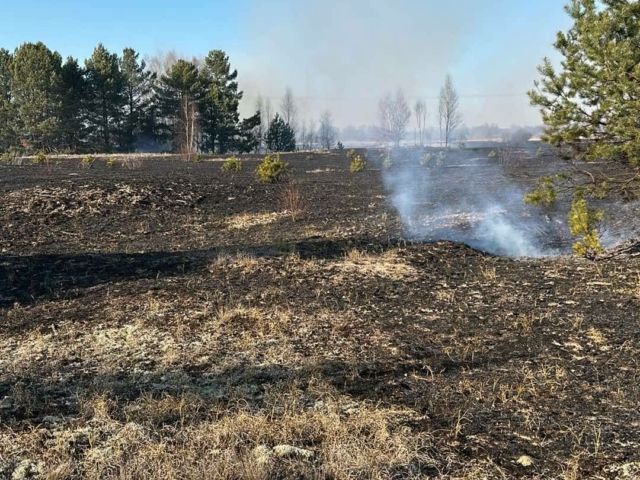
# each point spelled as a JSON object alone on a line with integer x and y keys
{"x": 114, "y": 103}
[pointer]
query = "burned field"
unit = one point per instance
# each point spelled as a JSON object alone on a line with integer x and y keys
{"x": 170, "y": 320}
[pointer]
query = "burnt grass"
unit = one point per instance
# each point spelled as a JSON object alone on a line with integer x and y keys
{"x": 152, "y": 315}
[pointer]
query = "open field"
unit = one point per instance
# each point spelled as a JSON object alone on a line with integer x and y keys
{"x": 162, "y": 319}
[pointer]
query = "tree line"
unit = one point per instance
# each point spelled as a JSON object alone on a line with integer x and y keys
{"x": 117, "y": 103}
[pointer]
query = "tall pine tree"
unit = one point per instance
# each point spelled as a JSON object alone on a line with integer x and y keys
{"x": 179, "y": 93}
{"x": 36, "y": 91}
{"x": 219, "y": 108}
{"x": 72, "y": 127}
{"x": 137, "y": 90}
{"x": 105, "y": 99}
{"x": 7, "y": 114}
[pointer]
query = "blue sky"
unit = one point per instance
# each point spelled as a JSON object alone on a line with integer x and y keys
{"x": 335, "y": 54}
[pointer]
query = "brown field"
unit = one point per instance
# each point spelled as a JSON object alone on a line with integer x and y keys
{"x": 162, "y": 319}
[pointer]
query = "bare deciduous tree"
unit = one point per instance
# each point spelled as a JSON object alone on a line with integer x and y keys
{"x": 288, "y": 109}
{"x": 449, "y": 115}
{"x": 421, "y": 121}
{"x": 259, "y": 131}
{"x": 394, "y": 116}
{"x": 161, "y": 62}
{"x": 326, "y": 132}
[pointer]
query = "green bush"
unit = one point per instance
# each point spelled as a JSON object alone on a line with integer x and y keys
{"x": 387, "y": 163}
{"x": 583, "y": 222}
{"x": 111, "y": 162}
{"x": 440, "y": 159}
{"x": 87, "y": 161}
{"x": 231, "y": 165}
{"x": 426, "y": 159}
{"x": 40, "y": 157}
{"x": 352, "y": 154}
{"x": 272, "y": 169}
{"x": 358, "y": 164}
{"x": 492, "y": 154}
{"x": 198, "y": 158}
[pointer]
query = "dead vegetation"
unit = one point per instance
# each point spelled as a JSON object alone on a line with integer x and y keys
{"x": 234, "y": 343}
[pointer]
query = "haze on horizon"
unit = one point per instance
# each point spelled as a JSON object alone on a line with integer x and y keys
{"x": 336, "y": 55}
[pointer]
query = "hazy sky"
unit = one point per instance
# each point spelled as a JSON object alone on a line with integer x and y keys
{"x": 340, "y": 55}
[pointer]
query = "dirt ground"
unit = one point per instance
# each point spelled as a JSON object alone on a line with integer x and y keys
{"x": 163, "y": 319}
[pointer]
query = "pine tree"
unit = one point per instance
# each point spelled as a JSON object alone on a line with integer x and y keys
{"x": 138, "y": 84}
{"x": 248, "y": 137}
{"x": 590, "y": 109}
{"x": 72, "y": 128}
{"x": 36, "y": 91}
{"x": 178, "y": 94}
{"x": 590, "y": 105}
{"x": 281, "y": 137}
{"x": 219, "y": 108}
{"x": 105, "y": 99}
{"x": 7, "y": 114}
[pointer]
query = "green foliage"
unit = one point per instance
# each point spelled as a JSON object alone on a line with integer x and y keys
{"x": 272, "y": 169}
{"x": 440, "y": 159}
{"x": 35, "y": 91}
{"x": 545, "y": 194}
{"x": 309, "y": 157}
{"x": 104, "y": 99}
{"x": 492, "y": 154}
{"x": 232, "y": 165}
{"x": 583, "y": 221}
{"x": 281, "y": 137}
{"x": 358, "y": 164}
{"x": 40, "y": 158}
{"x": 352, "y": 153}
{"x": 387, "y": 163}
{"x": 137, "y": 83}
{"x": 198, "y": 158}
{"x": 426, "y": 159}
{"x": 595, "y": 94}
{"x": 111, "y": 162}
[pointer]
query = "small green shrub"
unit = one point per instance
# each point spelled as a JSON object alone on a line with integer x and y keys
{"x": 111, "y": 162}
{"x": 492, "y": 154}
{"x": 357, "y": 164}
{"x": 352, "y": 153}
{"x": 231, "y": 165}
{"x": 583, "y": 222}
{"x": 426, "y": 159}
{"x": 40, "y": 157}
{"x": 387, "y": 163}
{"x": 309, "y": 157}
{"x": 272, "y": 169}
{"x": 440, "y": 159}
{"x": 87, "y": 161}
{"x": 198, "y": 158}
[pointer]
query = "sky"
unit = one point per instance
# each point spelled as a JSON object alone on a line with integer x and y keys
{"x": 340, "y": 55}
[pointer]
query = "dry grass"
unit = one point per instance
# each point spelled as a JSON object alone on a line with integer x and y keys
{"x": 312, "y": 434}
{"x": 246, "y": 221}
{"x": 388, "y": 265}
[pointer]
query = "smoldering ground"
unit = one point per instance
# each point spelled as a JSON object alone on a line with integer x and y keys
{"x": 464, "y": 196}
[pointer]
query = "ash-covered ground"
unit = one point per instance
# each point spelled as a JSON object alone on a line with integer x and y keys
{"x": 170, "y": 320}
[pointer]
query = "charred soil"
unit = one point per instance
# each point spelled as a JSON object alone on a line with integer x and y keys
{"x": 174, "y": 321}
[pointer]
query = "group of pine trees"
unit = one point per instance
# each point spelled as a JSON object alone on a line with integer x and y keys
{"x": 114, "y": 103}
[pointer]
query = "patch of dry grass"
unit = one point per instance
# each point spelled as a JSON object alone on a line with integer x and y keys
{"x": 312, "y": 434}
{"x": 245, "y": 221}
{"x": 387, "y": 265}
